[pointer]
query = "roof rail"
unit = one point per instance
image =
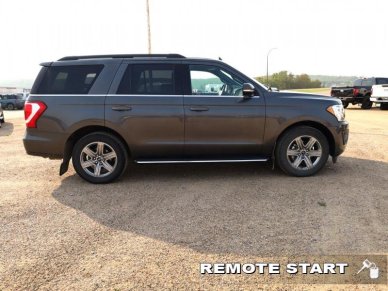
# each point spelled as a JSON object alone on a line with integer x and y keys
{"x": 123, "y": 56}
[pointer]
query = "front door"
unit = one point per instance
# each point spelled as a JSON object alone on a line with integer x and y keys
{"x": 219, "y": 122}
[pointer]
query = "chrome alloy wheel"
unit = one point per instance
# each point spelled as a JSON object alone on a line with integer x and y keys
{"x": 98, "y": 159}
{"x": 304, "y": 152}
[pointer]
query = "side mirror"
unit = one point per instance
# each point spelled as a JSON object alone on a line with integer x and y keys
{"x": 248, "y": 90}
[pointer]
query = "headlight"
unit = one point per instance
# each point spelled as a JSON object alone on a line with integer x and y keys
{"x": 338, "y": 111}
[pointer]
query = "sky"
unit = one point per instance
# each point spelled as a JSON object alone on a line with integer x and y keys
{"x": 348, "y": 38}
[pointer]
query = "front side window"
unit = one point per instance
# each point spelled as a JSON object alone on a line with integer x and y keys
{"x": 211, "y": 80}
{"x": 149, "y": 79}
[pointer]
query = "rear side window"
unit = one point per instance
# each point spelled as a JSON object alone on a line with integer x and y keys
{"x": 149, "y": 79}
{"x": 380, "y": 81}
{"x": 68, "y": 79}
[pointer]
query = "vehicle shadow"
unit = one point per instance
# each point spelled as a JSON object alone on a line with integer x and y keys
{"x": 244, "y": 208}
{"x": 6, "y": 129}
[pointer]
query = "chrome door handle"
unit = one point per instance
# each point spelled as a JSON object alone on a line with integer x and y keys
{"x": 121, "y": 108}
{"x": 199, "y": 108}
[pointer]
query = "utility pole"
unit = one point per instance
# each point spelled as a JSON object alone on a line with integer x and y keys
{"x": 149, "y": 27}
{"x": 274, "y": 48}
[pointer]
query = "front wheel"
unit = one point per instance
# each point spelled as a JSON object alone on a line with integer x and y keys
{"x": 99, "y": 158}
{"x": 302, "y": 151}
{"x": 345, "y": 104}
{"x": 10, "y": 106}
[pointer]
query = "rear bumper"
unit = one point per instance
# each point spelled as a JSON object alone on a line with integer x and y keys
{"x": 44, "y": 144}
{"x": 341, "y": 137}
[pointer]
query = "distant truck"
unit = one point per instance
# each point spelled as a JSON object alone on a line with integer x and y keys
{"x": 359, "y": 93}
{"x": 380, "y": 95}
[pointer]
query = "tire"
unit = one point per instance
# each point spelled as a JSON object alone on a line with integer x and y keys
{"x": 10, "y": 106}
{"x": 345, "y": 104}
{"x": 292, "y": 156}
{"x": 366, "y": 104}
{"x": 383, "y": 106}
{"x": 91, "y": 150}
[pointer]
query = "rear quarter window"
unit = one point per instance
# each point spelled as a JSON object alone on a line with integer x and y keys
{"x": 67, "y": 79}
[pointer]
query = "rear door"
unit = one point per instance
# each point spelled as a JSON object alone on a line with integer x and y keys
{"x": 219, "y": 122}
{"x": 145, "y": 105}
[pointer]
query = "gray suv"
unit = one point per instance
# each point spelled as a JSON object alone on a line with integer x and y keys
{"x": 103, "y": 111}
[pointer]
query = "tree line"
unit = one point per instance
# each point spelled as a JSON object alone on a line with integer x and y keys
{"x": 285, "y": 80}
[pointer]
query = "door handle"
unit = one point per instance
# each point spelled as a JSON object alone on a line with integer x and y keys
{"x": 121, "y": 108}
{"x": 199, "y": 108}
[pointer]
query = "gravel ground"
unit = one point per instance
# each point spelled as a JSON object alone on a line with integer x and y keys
{"x": 153, "y": 227}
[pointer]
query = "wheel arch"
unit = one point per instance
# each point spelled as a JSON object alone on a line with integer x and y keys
{"x": 76, "y": 135}
{"x": 326, "y": 132}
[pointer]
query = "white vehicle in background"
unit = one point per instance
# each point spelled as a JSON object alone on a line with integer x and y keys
{"x": 380, "y": 95}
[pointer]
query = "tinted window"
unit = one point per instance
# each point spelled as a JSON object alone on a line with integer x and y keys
{"x": 211, "y": 80}
{"x": 357, "y": 83}
{"x": 155, "y": 79}
{"x": 380, "y": 81}
{"x": 367, "y": 82}
{"x": 68, "y": 79}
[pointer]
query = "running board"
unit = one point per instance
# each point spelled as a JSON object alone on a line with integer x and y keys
{"x": 198, "y": 161}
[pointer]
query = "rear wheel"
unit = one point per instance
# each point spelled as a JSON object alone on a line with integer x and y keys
{"x": 366, "y": 104}
{"x": 302, "y": 151}
{"x": 10, "y": 106}
{"x": 383, "y": 106}
{"x": 99, "y": 158}
{"x": 345, "y": 104}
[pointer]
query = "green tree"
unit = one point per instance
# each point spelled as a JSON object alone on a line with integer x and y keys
{"x": 285, "y": 80}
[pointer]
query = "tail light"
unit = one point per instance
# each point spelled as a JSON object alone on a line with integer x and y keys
{"x": 32, "y": 111}
{"x": 355, "y": 92}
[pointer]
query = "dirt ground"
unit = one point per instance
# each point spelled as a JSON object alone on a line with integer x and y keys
{"x": 153, "y": 228}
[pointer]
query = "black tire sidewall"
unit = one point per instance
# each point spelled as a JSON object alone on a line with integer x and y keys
{"x": 112, "y": 141}
{"x": 288, "y": 137}
{"x": 383, "y": 106}
{"x": 366, "y": 104}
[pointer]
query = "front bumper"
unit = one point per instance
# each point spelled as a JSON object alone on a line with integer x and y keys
{"x": 379, "y": 99}
{"x": 341, "y": 137}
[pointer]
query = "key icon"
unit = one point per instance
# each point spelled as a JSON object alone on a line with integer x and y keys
{"x": 365, "y": 264}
